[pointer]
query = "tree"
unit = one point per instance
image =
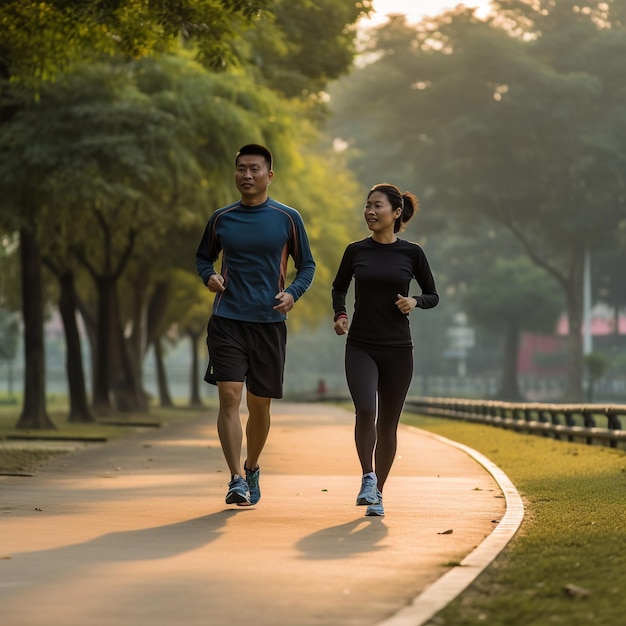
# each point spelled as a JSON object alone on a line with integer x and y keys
{"x": 508, "y": 297}
{"x": 607, "y": 280}
{"x": 301, "y": 46}
{"x": 597, "y": 365}
{"x": 189, "y": 312}
{"x": 519, "y": 119}
{"x": 9, "y": 332}
{"x": 68, "y": 31}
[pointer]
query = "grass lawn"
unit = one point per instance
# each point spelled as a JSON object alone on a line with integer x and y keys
{"x": 25, "y": 456}
{"x": 573, "y": 533}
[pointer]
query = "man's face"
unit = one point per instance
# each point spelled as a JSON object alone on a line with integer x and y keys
{"x": 252, "y": 176}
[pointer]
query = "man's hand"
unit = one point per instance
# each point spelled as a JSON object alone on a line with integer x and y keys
{"x": 216, "y": 283}
{"x": 286, "y": 302}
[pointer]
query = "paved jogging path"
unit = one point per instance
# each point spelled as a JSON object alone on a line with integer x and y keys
{"x": 136, "y": 532}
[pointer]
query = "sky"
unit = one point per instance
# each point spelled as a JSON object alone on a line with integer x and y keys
{"x": 415, "y": 10}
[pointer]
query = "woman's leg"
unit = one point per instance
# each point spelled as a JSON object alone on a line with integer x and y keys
{"x": 362, "y": 378}
{"x": 395, "y": 369}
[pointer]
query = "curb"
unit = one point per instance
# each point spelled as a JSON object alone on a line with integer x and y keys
{"x": 451, "y": 584}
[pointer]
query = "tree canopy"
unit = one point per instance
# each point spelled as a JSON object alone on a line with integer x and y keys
{"x": 105, "y": 154}
{"x": 519, "y": 119}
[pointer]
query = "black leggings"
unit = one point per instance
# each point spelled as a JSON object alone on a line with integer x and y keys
{"x": 385, "y": 375}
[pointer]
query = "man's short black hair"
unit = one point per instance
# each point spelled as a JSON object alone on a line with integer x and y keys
{"x": 257, "y": 149}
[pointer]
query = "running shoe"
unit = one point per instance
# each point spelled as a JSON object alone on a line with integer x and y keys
{"x": 376, "y": 510}
{"x": 252, "y": 478}
{"x": 238, "y": 492}
{"x": 367, "y": 495}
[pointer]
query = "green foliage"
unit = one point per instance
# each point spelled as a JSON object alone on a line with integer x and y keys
{"x": 9, "y": 271}
{"x": 135, "y": 150}
{"x": 300, "y": 46}
{"x": 597, "y": 365}
{"x": 189, "y": 306}
{"x": 606, "y": 262}
{"x": 503, "y": 129}
{"x": 513, "y": 291}
{"x": 518, "y": 120}
{"x": 127, "y": 160}
{"x": 115, "y": 158}
{"x": 319, "y": 185}
{"x": 67, "y": 30}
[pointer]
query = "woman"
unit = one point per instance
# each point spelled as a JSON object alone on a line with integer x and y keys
{"x": 379, "y": 349}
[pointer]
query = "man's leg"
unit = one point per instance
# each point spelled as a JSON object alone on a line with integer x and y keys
{"x": 257, "y": 427}
{"x": 229, "y": 424}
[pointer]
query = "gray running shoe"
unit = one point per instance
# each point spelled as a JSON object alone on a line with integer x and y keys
{"x": 376, "y": 510}
{"x": 238, "y": 492}
{"x": 367, "y": 495}
{"x": 252, "y": 478}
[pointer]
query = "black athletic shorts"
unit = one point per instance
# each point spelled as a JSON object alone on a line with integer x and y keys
{"x": 247, "y": 351}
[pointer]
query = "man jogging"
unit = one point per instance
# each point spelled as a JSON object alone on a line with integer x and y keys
{"x": 247, "y": 334}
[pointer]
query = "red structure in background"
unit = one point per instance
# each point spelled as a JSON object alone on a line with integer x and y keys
{"x": 544, "y": 355}
{"x": 541, "y": 355}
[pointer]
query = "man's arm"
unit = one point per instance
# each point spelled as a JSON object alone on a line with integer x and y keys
{"x": 303, "y": 260}
{"x": 207, "y": 253}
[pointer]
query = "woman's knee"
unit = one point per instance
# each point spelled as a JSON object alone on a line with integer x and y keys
{"x": 365, "y": 417}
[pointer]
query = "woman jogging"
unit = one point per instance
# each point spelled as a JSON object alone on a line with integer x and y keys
{"x": 379, "y": 348}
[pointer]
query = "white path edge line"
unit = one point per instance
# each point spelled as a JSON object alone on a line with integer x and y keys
{"x": 452, "y": 583}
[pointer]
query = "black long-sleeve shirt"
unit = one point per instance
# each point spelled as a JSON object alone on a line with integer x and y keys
{"x": 381, "y": 272}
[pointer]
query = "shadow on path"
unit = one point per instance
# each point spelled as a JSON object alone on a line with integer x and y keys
{"x": 364, "y": 534}
{"x": 159, "y": 542}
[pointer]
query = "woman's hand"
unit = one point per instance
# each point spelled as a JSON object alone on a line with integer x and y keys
{"x": 341, "y": 325}
{"x": 406, "y": 305}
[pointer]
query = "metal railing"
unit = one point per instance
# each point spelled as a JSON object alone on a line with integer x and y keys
{"x": 589, "y": 422}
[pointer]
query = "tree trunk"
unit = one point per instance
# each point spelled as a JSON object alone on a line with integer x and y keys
{"x": 137, "y": 342}
{"x": 127, "y": 392}
{"x": 575, "y": 361}
{"x": 79, "y": 406}
{"x": 156, "y": 310}
{"x": 101, "y": 387}
{"x": 509, "y": 384}
{"x": 194, "y": 399}
{"x": 88, "y": 316}
{"x": 164, "y": 392}
{"x": 34, "y": 415}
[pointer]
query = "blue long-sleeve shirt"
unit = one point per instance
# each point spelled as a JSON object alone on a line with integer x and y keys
{"x": 256, "y": 243}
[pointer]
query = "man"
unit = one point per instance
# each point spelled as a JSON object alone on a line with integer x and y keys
{"x": 247, "y": 334}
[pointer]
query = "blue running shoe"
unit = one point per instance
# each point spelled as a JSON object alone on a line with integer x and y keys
{"x": 252, "y": 478}
{"x": 367, "y": 495}
{"x": 376, "y": 510}
{"x": 238, "y": 492}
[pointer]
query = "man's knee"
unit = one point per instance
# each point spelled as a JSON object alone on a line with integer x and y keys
{"x": 230, "y": 395}
{"x": 258, "y": 406}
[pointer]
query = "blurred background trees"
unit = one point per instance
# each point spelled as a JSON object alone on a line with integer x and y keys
{"x": 517, "y": 120}
{"x": 117, "y": 146}
{"x": 118, "y": 127}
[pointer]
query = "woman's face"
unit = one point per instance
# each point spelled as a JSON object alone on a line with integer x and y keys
{"x": 378, "y": 213}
